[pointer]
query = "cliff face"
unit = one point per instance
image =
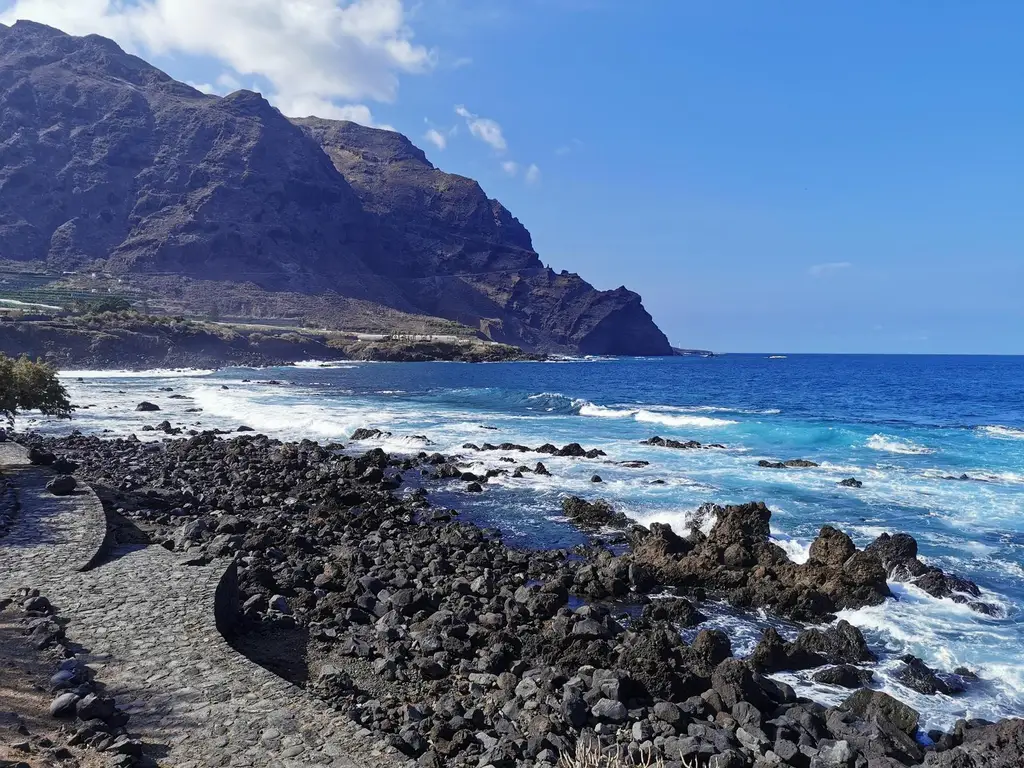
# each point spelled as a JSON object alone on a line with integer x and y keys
{"x": 106, "y": 163}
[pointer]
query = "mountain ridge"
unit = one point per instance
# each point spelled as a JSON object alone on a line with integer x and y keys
{"x": 110, "y": 166}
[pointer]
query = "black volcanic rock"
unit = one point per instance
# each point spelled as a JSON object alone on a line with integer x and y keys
{"x": 109, "y": 165}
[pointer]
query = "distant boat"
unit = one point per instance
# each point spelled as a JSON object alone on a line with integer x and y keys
{"x": 777, "y": 357}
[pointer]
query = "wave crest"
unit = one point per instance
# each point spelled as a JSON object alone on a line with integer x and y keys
{"x": 646, "y": 416}
{"x": 889, "y": 444}
{"x": 997, "y": 430}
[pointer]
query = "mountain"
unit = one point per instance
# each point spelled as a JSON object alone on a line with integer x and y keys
{"x": 115, "y": 177}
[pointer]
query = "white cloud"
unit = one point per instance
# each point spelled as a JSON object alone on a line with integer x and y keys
{"x": 818, "y": 270}
{"x": 436, "y": 138}
{"x": 318, "y": 56}
{"x": 510, "y": 167}
{"x": 226, "y": 83}
{"x": 532, "y": 174}
{"x": 483, "y": 128}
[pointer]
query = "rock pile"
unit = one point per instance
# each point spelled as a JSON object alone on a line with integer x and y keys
{"x": 574, "y": 450}
{"x": 94, "y": 718}
{"x": 465, "y": 652}
{"x": 677, "y": 444}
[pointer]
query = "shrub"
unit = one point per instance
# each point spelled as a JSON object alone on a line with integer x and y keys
{"x": 25, "y": 385}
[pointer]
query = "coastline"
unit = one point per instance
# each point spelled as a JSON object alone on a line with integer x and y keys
{"x": 114, "y": 342}
{"x": 521, "y": 639}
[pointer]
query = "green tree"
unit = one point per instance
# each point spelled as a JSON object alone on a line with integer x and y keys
{"x": 25, "y": 385}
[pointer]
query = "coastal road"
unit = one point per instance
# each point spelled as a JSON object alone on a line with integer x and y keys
{"x": 147, "y": 620}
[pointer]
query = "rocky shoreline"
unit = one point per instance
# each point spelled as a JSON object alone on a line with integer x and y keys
{"x": 137, "y": 342}
{"x": 463, "y": 651}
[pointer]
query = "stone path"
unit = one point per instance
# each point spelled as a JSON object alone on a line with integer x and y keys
{"x": 148, "y": 621}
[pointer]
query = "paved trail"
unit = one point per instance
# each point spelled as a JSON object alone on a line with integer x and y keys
{"x": 147, "y": 620}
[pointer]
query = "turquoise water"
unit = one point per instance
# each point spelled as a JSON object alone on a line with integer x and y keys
{"x": 902, "y": 425}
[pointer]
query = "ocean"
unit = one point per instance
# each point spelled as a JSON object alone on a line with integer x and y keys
{"x": 904, "y": 425}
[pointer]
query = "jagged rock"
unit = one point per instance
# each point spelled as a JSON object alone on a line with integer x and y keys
{"x": 364, "y": 433}
{"x": 790, "y": 464}
{"x": 881, "y": 706}
{"x": 898, "y": 555}
{"x": 669, "y": 443}
{"x": 841, "y": 643}
{"x": 851, "y": 482}
{"x": 998, "y": 745}
{"x": 917, "y": 675}
{"x": 679, "y": 611}
{"x": 844, "y": 676}
{"x": 593, "y": 515}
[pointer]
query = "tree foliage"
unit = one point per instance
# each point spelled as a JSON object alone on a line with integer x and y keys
{"x": 27, "y": 385}
{"x": 101, "y": 305}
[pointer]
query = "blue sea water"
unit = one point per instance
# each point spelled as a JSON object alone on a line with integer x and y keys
{"x": 902, "y": 425}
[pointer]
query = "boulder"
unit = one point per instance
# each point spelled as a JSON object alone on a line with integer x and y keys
{"x": 898, "y": 555}
{"x": 94, "y": 707}
{"x": 679, "y": 611}
{"x": 62, "y": 485}
{"x": 844, "y": 676}
{"x": 593, "y": 515}
{"x": 368, "y": 434}
{"x": 147, "y": 406}
{"x": 64, "y": 705}
{"x": 876, "y": 705}
{"x": 64, "y": 466}
{"x": 918, "y": 676}
{"x": 831, "y": 548}
{"x": 40, "y": 457}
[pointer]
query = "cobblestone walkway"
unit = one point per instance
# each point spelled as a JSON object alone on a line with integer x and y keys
{"x": 147, "y": 622}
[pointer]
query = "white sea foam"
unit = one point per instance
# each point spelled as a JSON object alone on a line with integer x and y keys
{"x": 1006, "y": 433}
{"x": 286, "y": 419}
{"x": 889, "y": 444}
{"x": 155, "y": 373}
{"x": 945, "y": 635}
{"x": 797, "y": 550}
{"x": 719, "y": 409}
{"x": 323, "y": 364}
{"x": 652, "y": 417}
{"x": 604, "y": 412}
{"x": 646, "y": 416}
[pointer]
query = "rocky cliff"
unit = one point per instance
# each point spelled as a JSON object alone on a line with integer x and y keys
{"x": 109, "y": 166}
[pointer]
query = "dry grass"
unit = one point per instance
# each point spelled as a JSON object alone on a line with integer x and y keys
{"x": 589, "y": 754}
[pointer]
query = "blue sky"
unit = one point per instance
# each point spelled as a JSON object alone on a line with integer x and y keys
{"x": 770, "y": 176}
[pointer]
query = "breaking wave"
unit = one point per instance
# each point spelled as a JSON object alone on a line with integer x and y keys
{"x": 1003, "y": 432}
{"x": 889, "y": 444}
{"x": 653, "y": 417}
